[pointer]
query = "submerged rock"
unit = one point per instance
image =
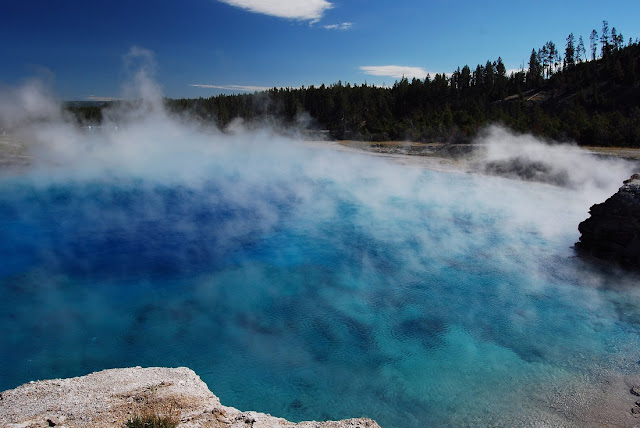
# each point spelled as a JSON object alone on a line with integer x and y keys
{"x": 111, "y": 397}
{"x": 612, "y": 233}
{"x": 522, "y": 168}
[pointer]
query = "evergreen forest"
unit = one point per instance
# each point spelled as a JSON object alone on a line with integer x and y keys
{"x": 587, "y": 91}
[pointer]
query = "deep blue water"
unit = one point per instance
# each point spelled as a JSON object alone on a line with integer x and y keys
{"x": 409, "y": 296}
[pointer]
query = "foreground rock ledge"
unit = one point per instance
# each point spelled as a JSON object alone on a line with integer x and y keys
{"x": 110, "y": 397}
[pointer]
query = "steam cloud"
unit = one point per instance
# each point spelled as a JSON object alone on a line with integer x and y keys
{"x": 146, "y": 142}
{"x": 417, "y": 280}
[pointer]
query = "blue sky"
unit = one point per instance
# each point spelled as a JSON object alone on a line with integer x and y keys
{"x": 79, "y": 47}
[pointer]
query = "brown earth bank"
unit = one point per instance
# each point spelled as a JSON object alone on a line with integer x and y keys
{"x": 447, "y": 150}
{"x": 436, "y": 155}
{"x": 110, "y": 398}
{"x": 12, "y": 152}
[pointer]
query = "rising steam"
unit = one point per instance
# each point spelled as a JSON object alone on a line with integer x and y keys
{"x": 317, "y": 273}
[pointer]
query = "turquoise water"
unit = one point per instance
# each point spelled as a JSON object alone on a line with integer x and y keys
{"x": 315, "y": 286}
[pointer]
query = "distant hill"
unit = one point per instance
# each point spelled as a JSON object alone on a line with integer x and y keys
{"x": 595, "y": 102}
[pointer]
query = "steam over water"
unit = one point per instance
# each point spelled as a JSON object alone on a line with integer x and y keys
{"x": 306, "y": 282}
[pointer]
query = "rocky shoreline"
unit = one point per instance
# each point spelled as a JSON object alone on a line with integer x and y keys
{"x": 110, "y": 398}
{"x": 611, "y": 235}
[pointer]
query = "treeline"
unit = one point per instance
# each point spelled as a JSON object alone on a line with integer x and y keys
{"x": 592, "y": 97}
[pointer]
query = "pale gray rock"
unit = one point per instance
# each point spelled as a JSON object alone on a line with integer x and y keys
{"x": 111, "y": 397}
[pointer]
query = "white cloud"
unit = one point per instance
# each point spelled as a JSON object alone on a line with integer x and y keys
{"x": 242, "y": 88}
{"x": 304, "y": 10}
{"x": 396, "y": 71}
{"x": 343, "y": 26}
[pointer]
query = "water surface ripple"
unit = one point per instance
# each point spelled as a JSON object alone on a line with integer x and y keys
{"x": 413, "y": 297}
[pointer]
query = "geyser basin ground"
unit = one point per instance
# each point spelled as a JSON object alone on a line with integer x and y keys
{"x": 313, "y": 284}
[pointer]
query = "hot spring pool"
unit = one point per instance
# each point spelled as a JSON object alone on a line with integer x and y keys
{"x": 313, "y": 286}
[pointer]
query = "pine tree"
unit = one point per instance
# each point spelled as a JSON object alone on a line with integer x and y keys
{"x": 543, "y": 54}
{"x": 455, "y": 79}
{"x": 489, "y": 76}
{"x": 581, "y": 53}
{"x": 535, "y": 70}
{"x": 569, "y": 52}
{"x": 478, "y": 76}
{"x": 604, "y": 39}
{"x": 465, "y": 77}
{"x": 501, "y": 79}
{"x": 616, "y": 39}
{"x": 593, "y": 39}
{"x": 501, "y": 70}
{"x": 553, "y": 56}
{"x": 549, "y": 57}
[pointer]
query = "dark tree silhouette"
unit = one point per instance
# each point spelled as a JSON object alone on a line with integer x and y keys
{"x": 592, "y": 102}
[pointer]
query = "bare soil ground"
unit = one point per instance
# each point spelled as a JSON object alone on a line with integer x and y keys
{"x": 12, "y": 152}
{"x": 444, "y": 149}
{"x": 621, "y": 152}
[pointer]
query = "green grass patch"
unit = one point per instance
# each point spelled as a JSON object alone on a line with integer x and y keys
{"x": 151, "y": 421}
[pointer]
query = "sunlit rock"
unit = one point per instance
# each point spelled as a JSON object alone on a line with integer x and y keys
{"x": 110, "y": 398}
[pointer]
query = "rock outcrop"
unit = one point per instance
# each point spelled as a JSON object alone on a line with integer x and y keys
{"x": 110, "y": 398}
{"x": 521, "y": 168}
{"x": 612, "y": 233}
